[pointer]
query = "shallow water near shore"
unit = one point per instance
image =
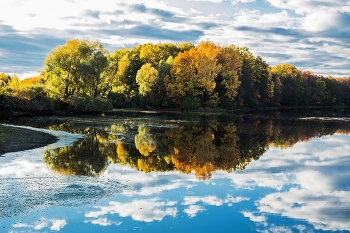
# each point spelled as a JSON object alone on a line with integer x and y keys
{"x": 171, "y": 173}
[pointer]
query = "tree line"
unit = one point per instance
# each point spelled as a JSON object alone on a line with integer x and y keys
{"x": 83, "y": 76}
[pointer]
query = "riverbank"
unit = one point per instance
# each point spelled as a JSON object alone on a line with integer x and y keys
{"x": 18, "y": 139}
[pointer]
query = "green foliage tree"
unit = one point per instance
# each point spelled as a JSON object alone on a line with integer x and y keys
{"x": 147, "y": 79}
{"x": 164, "y": 68}
{"x": 4, "y": 86}
{"x": 186, "y": 46}
{"x": 228, "y": 79}
{"x": 78, "y": 68}
{"x": 263, "y": 84}
{"x": 129, "y": 63}
{"x": 247, "y": 96}
{"x": 288, "y": 80}
{"x": 150, "y": 53}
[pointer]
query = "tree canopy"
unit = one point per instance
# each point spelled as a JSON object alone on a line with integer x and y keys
{"x": 185, "y": 76}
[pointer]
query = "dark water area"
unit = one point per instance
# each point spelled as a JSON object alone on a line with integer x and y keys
{"x": 285, "y": 171}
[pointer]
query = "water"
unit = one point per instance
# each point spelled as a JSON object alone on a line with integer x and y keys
{"x": 173, "y": 173}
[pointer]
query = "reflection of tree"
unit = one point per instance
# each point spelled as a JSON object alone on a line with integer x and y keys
{"x": 230, "y": 157}
{"x": 207, "y": 148}
{"x": 144, "y": 141}
{"x": 202, "y": 147}
{"x": 87, "y": 157}
{"x": 192, "y": 149}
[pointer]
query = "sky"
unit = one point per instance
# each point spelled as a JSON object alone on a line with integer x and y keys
{"x": 313, "y": 35}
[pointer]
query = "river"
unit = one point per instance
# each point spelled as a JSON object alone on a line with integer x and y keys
{"x": 275, "y": 172}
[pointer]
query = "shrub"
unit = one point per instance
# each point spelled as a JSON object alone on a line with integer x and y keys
{"x": 118, "y": 100}
{"x": 189, "y": 102}
{"x": 89, "y": 104}
{"x": 33, "y": 98}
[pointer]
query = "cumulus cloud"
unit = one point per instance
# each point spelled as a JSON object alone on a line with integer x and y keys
{"x": 147, "y": 210}
{"x": 212, "y": 200}
{"x": 193, "y": 210}
{"x": 213, "y": 1}
{"x": 103, "y": 222}
{"x": 234, "y": 2}
{"x": 52, "y": 224}
{"x": 253, "y": 217}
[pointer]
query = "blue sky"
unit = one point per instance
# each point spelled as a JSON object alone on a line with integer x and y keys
{"x": 313, "y": 35}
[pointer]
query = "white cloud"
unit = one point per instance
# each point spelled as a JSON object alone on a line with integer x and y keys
{"x": 278, "y": 229}
{"x": 103, "y": 222}
{"x": 193, "y": 210}
{"x": 147, "y": 210}
{"x": 52, "y": 224}
{"x": 316, "y": 15}
{"x": 152, "y": 183}
{"x": 57, "y": 224}
{"x": 40, "y": 225}
{"x": 212, "y": 200}
{"x": 213, "y": 1}
{"x": 315, "y": 201}
{"x": 253, "y": 217}
{"x": 27, "y": 75}
{"x": 72, "y": 15}
{"x": 234, "y": 2}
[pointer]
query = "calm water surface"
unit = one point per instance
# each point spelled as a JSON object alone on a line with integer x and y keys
{"x": 153, "y": 173}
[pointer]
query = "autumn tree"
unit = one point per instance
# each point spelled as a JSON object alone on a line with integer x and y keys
{"x": 168, "y": 50}
{"x": 288, "y": 84}
{"x": 207, "y": 70}
{"x": 182, "y": 84}
{"x": 228, "y": 78}
{"x": 186, "y": 46}
{"x": 192, "y": 77}
{"x": 147, "y": 79}
{"x": 150, "y": 53}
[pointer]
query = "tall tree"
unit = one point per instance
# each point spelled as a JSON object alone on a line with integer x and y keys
{"x": 288, "y": 79}
{"x": 147, "y": 79}
{"x": 183, "y": 81}
{"x": 79, "y": 68}
{"x": 206, "y": 63}
{"x": 262, "y": 80}
{"x": 228, "y": 78}
{"x": 150, "y": 53}
{"x": 246, "y": 93}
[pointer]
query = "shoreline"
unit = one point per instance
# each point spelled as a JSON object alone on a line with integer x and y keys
{"x": 21, "y": 139}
